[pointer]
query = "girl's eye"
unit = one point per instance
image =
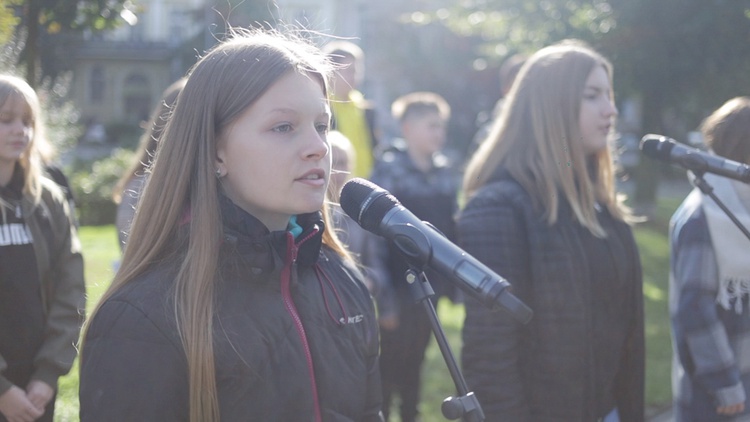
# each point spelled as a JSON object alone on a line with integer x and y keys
{"x": 283, "y": 128}
{"x": 322, "y": 127}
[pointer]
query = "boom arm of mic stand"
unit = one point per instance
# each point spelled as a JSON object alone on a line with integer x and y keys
{"x": 707, "y": 189}
{"x": 466, "y": 405}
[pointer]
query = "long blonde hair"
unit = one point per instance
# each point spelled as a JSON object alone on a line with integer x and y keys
{"x": 225, "y": 82}
{"x": 13, "y": 88}
{"x": 537, "y": 139}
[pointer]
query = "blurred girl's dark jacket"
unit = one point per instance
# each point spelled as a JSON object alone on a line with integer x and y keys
{"x": 582, "y": 353}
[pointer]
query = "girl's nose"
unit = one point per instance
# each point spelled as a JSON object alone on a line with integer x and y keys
{"x": 317, "y": 145}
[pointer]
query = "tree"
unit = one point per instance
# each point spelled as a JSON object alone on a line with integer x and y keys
{"x": 682, "y": 57}
{"x": 509, "y": 26}
{"x": 8, "y": 21}
{"x": 38, "y": 18}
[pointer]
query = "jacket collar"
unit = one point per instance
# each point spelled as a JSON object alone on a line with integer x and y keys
{"x": 256, "y": 245}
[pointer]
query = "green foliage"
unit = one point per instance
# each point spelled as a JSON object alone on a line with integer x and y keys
{"x": 508, "y": 26}
{"x": 125, "y": 134}
{"x": 8, "y": 20}
{"x": 46, "y": 28}
{"x": 687, "y": 55}
{"x": 93, "y": 184}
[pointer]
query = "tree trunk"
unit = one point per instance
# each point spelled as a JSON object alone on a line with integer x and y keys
{"x": 32, "y": 41}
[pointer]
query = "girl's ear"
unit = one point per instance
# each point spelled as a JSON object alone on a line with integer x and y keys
{"x": 219, "y": 163}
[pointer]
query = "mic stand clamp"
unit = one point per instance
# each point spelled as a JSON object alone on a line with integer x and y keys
{"x": 466, "y": 405}
{"x": 708, "y": 190}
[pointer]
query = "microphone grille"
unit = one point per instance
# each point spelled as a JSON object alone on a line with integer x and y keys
{"x": 366, "y": 203}
{"x": 657, "y": 146}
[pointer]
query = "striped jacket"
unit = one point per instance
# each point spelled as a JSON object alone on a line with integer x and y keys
{"x": 711, "y": 358}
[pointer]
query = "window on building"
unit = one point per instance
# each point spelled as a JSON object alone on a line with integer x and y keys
{"x": 137, "y": 97}
{"x": 96, "y": 85}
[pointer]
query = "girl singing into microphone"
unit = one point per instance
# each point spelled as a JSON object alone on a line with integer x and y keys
{"x": 235, "y": 301}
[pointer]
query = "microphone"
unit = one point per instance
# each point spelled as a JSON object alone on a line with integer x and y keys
{"x": 667, "y": 149}
{"x": 379, "y": 212}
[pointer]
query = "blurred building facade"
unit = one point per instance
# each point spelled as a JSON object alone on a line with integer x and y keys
{"x": 119, "y": 75}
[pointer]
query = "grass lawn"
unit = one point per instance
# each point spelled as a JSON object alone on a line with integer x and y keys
{"x": 101, "y": 251}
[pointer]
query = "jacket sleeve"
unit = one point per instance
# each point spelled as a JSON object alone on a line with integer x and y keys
{"x": 130, "y": 369}
{"x": 696, "y": 318}
{"x": 492, "y": 230}
{"x": 65, "y": 296}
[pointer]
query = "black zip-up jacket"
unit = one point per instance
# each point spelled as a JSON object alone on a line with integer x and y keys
{"x": 295, "y": 336}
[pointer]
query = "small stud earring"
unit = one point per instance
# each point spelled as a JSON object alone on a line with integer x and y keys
{"x": 218, "y": 173}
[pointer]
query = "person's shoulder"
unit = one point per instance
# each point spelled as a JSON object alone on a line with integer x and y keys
{"x": 396, "y": 150}
{"x": 148, "y": 292}
{"x": 689, "y": 216}
{"x": 51, "y": 191}
{"x": 146, "y": 299}
{"x": 53, "y": 200}
{"x": 392, "y": 161}
{"x": 140, "y": 311}
{"x": 501, "y": 189}
{"x": 500, "y": 194}
{"x": 155, "y": 279}
{"x": 689, "y": 224}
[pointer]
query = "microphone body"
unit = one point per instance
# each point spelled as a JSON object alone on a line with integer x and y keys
{"x": 379, "y": 212}
{"x": 668, "y": 150}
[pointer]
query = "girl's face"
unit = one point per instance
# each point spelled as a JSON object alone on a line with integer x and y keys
{"x": 597, "y": 111}
{"x": 16, "y": 129}
{"x": 275, "y": 156}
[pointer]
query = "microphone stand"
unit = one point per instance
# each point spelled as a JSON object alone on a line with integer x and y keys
{"x": 707, "y": 189}
{"x": 466, "y": 405}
